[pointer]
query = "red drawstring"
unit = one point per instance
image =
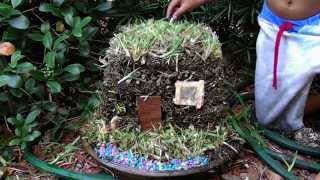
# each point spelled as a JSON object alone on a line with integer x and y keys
{"x": 284, "y": 27}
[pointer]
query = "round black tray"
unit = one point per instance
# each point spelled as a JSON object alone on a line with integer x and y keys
{"x": 123, "y": 172}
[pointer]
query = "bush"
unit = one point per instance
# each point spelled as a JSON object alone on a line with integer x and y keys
{"x": 236, "y": 24}
{"x": 48, "y": 72}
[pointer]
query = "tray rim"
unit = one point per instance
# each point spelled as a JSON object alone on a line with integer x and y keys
{"x": 143, "y": 173}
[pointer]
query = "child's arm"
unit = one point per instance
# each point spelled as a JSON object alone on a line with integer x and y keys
{"x": 177, "y": 8}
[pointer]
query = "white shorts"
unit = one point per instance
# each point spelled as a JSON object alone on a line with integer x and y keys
{"x": 281, "y": 97}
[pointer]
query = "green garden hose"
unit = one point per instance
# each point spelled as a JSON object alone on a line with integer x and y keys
{"x": 273, "y": 164}
{"x": 262, "y": 153}
{"x": 280, "y": 139}
{"x": 270, "y": 157}
{"x": 33, "y": 160}
{"x": 290, "y": 144}
{"x": 307, "y": 165}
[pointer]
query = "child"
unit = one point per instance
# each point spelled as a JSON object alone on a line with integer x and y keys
{"x": 288, "y": 58}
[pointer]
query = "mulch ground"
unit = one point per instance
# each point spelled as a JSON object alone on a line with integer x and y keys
{"x": 246, "y": 166}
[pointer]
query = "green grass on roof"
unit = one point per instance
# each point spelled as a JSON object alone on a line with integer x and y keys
{"x": 165, "y": 40}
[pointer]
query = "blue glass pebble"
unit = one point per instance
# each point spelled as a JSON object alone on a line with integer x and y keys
{"x": 128, "y": 158}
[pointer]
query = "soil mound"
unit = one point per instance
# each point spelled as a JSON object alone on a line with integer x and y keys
{"x": 147, "y": 59}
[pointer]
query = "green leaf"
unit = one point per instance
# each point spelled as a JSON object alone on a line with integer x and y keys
{"x": 68, "y": 17}
{"x": 45, "y": 7}
{"x": 7, "y": 11}
{"x": 104, "y": 6}
{"x": 19, "y": 118}
{"x": 21, "y": 22}
{"x": 15, "y": 81}
{"x": 74, "y": 69}
{"x": 12, "y": 121}
{"x": 36, "y": 36}
{"x": 88, "y": 33}
{"x": 17, "y": 132}
{"x": 36, "y": 134}
{"x": 58, "y": 2}
{"x": 85, "y": 21}
{"x": 14, "y": 142}
{"x": 54, "y": 86}
{"x": 25, "y": 68}
{"x": 77, "y": 29}
{"x": 11, "y": 34}
{"x": 4, "y": 79}
{"x": 23, "y": 145}
{"x": 30, "y": 85}
{"x": 50, "y": 106}
{"x": 28, "y": 138}
{"x": 32, "y": 116}
{"x": 32, "y": 137}
{"x": 38, "y": 75}
{"x": 94, "y": 101}
{"x": 16, "y": 56}
{"x": 81, "y": 7}
{"x": 45, "y": 27}
{"x": 47, "y": 40}
{"x": 71, "y": 77}
{"x": 39, "y": 92}
{"x": 60, "y": 57}
{"x": 84, "y": 49}
{"x": 33, "y": 125}
{"x": 16, "y": 3}
{"x": 16, "y": 93}
{"x": 77, "y": 32}
{"x": 49, "y": 59}
{"x": 59, "y": 41}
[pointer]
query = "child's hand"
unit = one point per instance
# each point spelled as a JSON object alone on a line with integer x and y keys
{"x": 177, "y": 8}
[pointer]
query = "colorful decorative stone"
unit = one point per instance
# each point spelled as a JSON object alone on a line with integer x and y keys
{"x": 127, "y": 158}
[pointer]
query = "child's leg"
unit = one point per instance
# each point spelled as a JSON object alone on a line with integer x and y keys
{"x": 299, "y": 61}
{"x": 313, "y": 104}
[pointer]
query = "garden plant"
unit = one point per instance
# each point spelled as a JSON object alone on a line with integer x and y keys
{"x": 147, "y": 59}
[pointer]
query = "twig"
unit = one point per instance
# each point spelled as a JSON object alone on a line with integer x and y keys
{"x": 28, "y": 10}
{"x": 99, "y": 41}
{"x": 7, "y": 125}
{"x": 231, "y": 147}
{"x": 92, "y": 52}
{"x": 262, "y": 172}
{"x": 17, "y": 170}
{"x": 21, "y": 89}
{"x": 74, "y": 118}
{"x": 43, "y": 21}
{"x": 50, "y": 97}
{"x": 177, "y": 63}
{"x": 36, "y": 15}
{"x": 91, "y": 92}
{"x": 128, "y": 76}
{"x": 65, "y": 164}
